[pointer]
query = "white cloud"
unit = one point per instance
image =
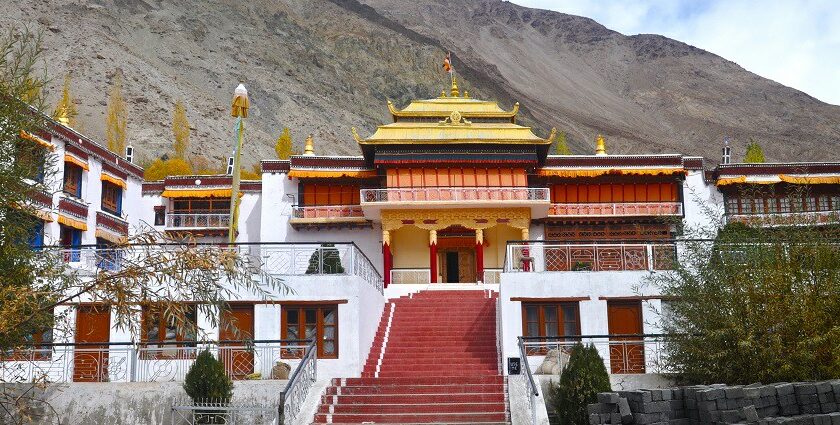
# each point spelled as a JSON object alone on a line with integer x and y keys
{"x": 796, "y": 43}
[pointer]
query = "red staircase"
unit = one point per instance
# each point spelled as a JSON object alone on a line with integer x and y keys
{"x": 433, "y": 360}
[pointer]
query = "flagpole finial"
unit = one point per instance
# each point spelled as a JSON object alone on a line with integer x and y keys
{"x": 454, "y": 92}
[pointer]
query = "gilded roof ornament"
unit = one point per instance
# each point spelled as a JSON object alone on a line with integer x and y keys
{"x": 454, "y": 92}
{"x": 600, "y": 146}
{"x": 356, "y": 135}
{"x": 309, "y": 148}
{"x": 551, "y": 135}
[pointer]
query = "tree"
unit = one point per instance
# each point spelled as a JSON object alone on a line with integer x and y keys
{"x": 755, "y": 304}
{"x": 161, "y": 168}
{"x": 181, "y": 130}
{"x": 206, "y": 381}
{"x": 117, "y": 120}
{"x": 283, "y": 147}
{"x": 560, "y": 147}
{"x": 65, "y": 112}
{"x": 580, "y": 382}
{"x": 754, "y": 153}
{"x": 325, "y": 260}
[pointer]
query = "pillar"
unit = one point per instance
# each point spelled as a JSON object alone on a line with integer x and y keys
{"x": 433, "y": 267}
{"x": 387, "y": 260}
{"x": 479, "y": 255}
{"x": 526, "y": 252}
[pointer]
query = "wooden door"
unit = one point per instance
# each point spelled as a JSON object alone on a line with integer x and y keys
{"x": 93, "y": 325}
{"x": 450, "y": 266}
{"x": 237, "y": 324}
{"x": 466, "y": 265}
{"x": 625, "y": 318}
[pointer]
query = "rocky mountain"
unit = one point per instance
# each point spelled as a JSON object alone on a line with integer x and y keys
{"x": 322, "y": 66}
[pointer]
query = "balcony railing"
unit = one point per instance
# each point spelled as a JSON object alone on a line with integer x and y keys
{"x": 197, "y": 221}
{"x": 327, "y": 212}
{"x": 283, "y": 259}
{"x": 619, "y": 209}
{"x": 421, "y": 276}
{"x": 805, "y": 218}
{"x": 541, "y": 256}
{"x": 143, "y": 362}
{"x": 634, "y": 354}
{"x": 455, "y": 194}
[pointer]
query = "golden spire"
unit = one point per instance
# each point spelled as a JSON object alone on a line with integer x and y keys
{"x": 309, "y": 149}
{"x": 600, "y": 146}
{"x": 62, "y": 116}
{"x": 454, "y": 92}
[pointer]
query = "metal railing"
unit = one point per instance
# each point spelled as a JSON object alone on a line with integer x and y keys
{"x": 300, "y": 382}
{"x": 531, "y": 387}
{"x": 542, "y": 256}
{"x": 420, "y": 276}
{"x": 197, "y": 221}
{"x": 327, "y": 212}
{"x": 623, "y": 354}
{"x": 769, "y": 219}
{"x": 283, "y": 259}
{"x": 616, "y": 209}
{"x": 455, "y": 194}
{"x": 144, "y": 362}
{"x": 214, "y": 411}
{"x": 492, "y": 276}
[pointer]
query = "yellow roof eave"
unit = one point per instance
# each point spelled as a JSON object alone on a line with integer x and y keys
{"x": 500, "y": 113}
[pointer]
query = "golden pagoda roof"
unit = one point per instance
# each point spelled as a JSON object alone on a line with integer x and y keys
{"x": 443, "y": 106}
{"x": 455, "y": 131}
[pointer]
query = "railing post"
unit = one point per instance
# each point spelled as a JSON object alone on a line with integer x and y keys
{"x": 649, "y": 252}
{"x": 132, "y": 358}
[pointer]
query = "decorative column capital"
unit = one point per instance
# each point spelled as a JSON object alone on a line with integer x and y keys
{"x": 386, "y": 237}
{"x": 479, "y": 236}
{"x": 525, "y": 234}
{"x": 432, "y": 237}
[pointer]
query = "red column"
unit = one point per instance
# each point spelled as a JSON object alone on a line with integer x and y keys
{"x": 479, "y": 255}
{"x": 387, "y": 260}
{"x": 433, "y": 268}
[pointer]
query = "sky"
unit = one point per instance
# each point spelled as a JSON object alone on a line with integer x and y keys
{"x": 793, "y": 42}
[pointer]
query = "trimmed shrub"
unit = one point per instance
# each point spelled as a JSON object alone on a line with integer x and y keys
{"x": 582, "y": 379}
{"x": 331, "y": 261}
{"x": 206, "y": 380}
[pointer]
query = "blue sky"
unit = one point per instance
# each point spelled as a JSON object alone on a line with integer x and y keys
{"x": 796, "y": 43}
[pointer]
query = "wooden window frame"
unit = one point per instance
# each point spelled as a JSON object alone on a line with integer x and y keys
{"x": 319, "y": 328}
{"x": 541, "y": 317}
{"x": 148, "y": 313}
{"x": 73, "y": 174}
{"x": 110, "y": 199}
{"x": 215, "y": 206}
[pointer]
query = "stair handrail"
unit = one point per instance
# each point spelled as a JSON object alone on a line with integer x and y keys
{"x": 301, "y": 381}
{"x": 530, "y": 386}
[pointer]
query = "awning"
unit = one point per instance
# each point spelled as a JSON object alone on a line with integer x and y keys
{"x": 110, "y": 236}
{"x": 115, "y": 180}
{"x": 36, "y": 139}
{"x": 72, "y": 222}
{"x": 76, "y": 161}
{"x": 810, "y": 179}
{"x": 548, "y": 172}
{"x": 359, "y": 174}
{"x": 747, "y": 180}
{"x": 198, "y": 193}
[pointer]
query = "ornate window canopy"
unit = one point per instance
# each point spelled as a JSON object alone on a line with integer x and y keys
{"x": 474, "y": 218}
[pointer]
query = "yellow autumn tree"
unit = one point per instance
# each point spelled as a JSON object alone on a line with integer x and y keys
{"x": 65, "y": 112}
{"x": 181, "y": 130}
{"x": 117, "y": 120}
{"x": 283, "y": 147}
{"x": 161, "y": 168}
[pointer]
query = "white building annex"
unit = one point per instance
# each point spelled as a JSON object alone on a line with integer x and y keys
{"x": 420, "y": 262}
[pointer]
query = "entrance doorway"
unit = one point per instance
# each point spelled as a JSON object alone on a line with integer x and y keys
{"x": 457, "y": 265}
{"x": 627, "y": 355}
{"x": 237, "y": 324}
{"x": 90, "y": 362}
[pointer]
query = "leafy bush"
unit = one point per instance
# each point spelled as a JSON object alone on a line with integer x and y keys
{"x": 207, "y": 380}
{"x": 582, "y": 379}
{"x": 331, "y": 261}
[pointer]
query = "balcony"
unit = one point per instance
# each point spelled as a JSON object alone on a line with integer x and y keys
{"x": 327, "y": 214}
{"x": 806, "y": 218}
{"x": 617, "y": 209}
{"x": 558, "y": 257}
{"x": 537, "y": 198}
{"x": 197, "y": 221}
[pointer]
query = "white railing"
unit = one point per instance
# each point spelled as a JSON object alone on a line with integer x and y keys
{"x": 300, "y": 383}
{"x": 630, "y": 354}
{"x": 335, "y": 212}
{"x": 283, "y": 259}
{"x": 127, "y": 362}
{"x": 806, "y": 218}
{"x": 531, "y": 386}
{"x": 492, "y": 276}
{"x": 197, "y": 221}
{"x": 618, "y": 209}
{"x": 539, "y": 256}
{"x": 455, "y": 194}
{"x": 421, "y": 276}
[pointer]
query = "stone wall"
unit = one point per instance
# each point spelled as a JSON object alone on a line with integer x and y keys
{"x": 796, "y": 403}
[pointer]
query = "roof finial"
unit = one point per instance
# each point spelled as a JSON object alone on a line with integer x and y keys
{"x": 308, "y": 149}
{"x": 600, "y": 146}
{"x": 454, "y": 92}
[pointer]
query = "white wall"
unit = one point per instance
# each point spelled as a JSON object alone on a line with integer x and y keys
{"x": 703, "y": 203}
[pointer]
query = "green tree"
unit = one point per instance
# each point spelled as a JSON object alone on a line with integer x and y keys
{"x": 207, "y": 380}
{"x": 65, "y": 112}
{"x": 756, "y": 304}
{"x": 560, "y": 146}
{"x": 283, "y": 147}
{"x": 180, "y": 130}
{"x": 117, "y": 120}
{"x": 326, "y": 260}
{"x": 580, "y": 382}
{"x": 754, "y": 153}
